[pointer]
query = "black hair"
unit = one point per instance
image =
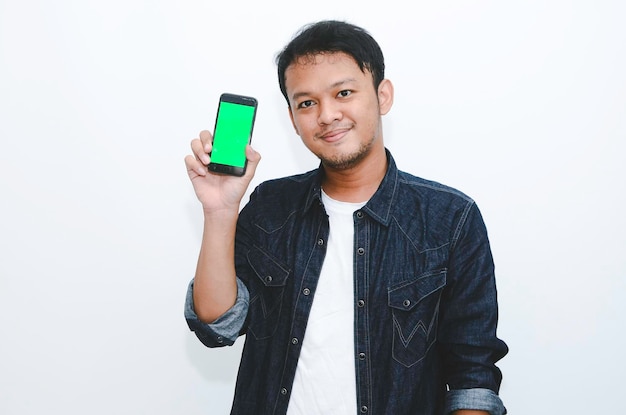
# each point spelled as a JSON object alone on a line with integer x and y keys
{"x": 332, "y": 36}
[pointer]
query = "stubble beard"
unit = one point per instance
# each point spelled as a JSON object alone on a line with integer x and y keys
{"x": 345, "y": 161}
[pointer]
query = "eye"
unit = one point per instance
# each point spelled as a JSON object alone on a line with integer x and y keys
{"x": 344, "y": 93}
{"x": 305, "y": 104}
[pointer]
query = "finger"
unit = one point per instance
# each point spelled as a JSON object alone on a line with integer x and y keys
{"x": 207, "y": 140}
{"x": 253, "y": 157}
{"x": 194, "y": 166}
{"x": 199, "y": 151}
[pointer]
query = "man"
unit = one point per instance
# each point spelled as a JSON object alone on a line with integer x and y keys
{"x": 361, "y": 289}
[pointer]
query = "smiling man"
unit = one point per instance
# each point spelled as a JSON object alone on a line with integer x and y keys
{"x": 361, "y": 289}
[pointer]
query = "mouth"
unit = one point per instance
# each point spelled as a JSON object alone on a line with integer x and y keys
{"x": 334, "y": 135}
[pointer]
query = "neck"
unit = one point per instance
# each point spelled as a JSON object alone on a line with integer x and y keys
{"x": 358, "y": 183}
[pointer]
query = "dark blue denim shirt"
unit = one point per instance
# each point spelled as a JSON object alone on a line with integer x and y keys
{"x": 425, "y": 297}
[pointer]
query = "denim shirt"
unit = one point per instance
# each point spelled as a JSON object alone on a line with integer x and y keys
{"x": 425, "y": 297}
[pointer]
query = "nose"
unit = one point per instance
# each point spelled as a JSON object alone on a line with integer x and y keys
{"x": 329, "y": 111}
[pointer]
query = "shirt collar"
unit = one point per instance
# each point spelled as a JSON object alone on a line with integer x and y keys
{"x": 379, "y": 205}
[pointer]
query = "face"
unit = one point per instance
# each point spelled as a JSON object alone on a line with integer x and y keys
{"x": 335, "y": 108}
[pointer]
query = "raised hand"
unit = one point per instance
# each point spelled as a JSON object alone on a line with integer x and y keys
{"x": 217, "y": 191}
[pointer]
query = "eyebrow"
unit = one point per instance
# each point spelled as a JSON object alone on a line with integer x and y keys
{"x": 297, "y": 95}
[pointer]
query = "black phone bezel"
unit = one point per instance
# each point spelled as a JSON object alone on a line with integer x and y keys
{"x": 241, "y": 100}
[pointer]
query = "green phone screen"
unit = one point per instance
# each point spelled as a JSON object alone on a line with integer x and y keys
{"x": 232, "y": 134}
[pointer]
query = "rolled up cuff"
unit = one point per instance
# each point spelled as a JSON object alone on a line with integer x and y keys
{"x": 225, "y": 330}
{"x": 477, "y": 399}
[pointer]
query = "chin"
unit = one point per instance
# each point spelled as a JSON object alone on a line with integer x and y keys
{"x": 343, "y": 161}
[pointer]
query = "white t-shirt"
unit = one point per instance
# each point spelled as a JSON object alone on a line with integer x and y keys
{"x": 325, "y": 381}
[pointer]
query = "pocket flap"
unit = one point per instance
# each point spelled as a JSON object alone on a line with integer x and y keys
{"x": 268, "y": 270}
{"x": 408, "y": 295}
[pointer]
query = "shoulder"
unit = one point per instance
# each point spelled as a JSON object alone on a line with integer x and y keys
{"x": 431, "y": 188}
{"x": 286, "y": 188}
{"x": 273, "y": 201}
{"x": 431, "y": 196}
{"x": 438, "y": 205}
{"x": 431, "y": 212}
{"x": 412, "y": 189}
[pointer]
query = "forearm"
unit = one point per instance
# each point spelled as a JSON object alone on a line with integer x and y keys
{"x": 215, "y": 285}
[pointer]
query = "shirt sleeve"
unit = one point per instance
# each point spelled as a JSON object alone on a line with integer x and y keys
{"x": 225, "y": 330}
{"x": 477, "y": 399}
{"x": 468, "y": 340}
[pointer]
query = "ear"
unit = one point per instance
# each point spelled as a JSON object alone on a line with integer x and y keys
{"x": 292, "y": 120}
{"x": 385, "y": 96}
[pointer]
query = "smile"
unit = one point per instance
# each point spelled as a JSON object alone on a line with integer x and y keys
{"x": 334, "y": 135}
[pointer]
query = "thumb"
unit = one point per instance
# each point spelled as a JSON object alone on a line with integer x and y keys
{"x": 253, "y": 158}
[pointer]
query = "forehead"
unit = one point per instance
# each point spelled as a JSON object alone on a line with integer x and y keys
{"x": 323, "y": 68}
{"x": 322, "y": 57}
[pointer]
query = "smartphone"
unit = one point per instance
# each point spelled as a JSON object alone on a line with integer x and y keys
{"x": 233, "y": 131}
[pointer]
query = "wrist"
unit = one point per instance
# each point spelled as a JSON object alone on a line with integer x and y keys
{"x": 222, "y": 214}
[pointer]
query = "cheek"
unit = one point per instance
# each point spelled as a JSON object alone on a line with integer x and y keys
{"x": 304, "y": 126}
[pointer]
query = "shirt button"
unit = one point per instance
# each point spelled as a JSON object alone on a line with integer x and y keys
{"x": 320, "y": 242}
{"x": 268, "y": 279}
{"x": 360, "y": 251}
{"x": 283, "y": 391}
{"x": 364, "y": 409}
{"x": 359, "y": 214}
{"x": 406, "y": 303}
{"x": 362, "y": 356}
{"x": 306, "y": 291}
{"x": 361, "y": 303}
{"x": 220, "y": 339}
{"x": 294, "y": 341}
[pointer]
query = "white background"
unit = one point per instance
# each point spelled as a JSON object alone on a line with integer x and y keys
{"x": 520, "y": 104}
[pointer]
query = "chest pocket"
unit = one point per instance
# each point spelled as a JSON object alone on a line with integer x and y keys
{"x": 415, "y": 310}
{"x": 267, "y": 291}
